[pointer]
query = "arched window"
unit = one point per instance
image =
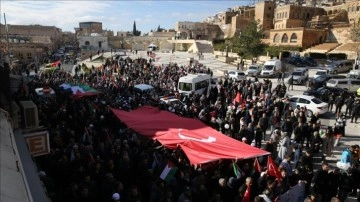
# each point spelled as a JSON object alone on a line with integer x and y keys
{"x": 87, "y": 43}
{"x": 284, "y": 38}
{"x": 276, "y": 38}
{"x": 293, "y": 38}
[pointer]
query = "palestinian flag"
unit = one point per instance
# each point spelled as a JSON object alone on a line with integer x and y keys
{"x": 237, "y": 170}
{"x": 168, "y": 172}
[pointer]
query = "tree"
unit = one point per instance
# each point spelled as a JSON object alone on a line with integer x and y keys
{"x": 248, "y": 43}
{"x": 135, "y": 32}
{"x": 134, "y": 28}
{"x": 355, "y": 34}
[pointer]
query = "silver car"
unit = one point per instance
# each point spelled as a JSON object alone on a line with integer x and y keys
{"x": 335, "y": 67}
{"x": 253, "y": 70}
{"x": 299, "y": 76}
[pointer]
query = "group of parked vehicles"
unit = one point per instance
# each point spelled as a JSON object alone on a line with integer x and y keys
{"x": 325, "y": 82}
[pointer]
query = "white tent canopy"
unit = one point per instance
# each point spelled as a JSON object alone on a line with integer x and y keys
{"x": 152, "y": 46}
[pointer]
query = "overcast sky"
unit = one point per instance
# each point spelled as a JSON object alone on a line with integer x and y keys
{"x": 115, "y": 15}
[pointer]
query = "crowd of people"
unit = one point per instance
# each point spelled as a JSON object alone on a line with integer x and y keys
{"x": 96, "y": 158}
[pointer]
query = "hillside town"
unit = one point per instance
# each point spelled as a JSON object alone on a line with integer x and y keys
{"x": 179, "y": 114}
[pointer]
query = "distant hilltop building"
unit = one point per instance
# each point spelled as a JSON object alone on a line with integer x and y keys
{"x": 290, "y": 23}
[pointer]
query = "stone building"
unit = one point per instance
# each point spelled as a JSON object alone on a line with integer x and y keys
{"x": 94, "y": 42}
{"x": 30, "y": 43}
{"x": 264, "y": 14}
{"x": 184, "y": 29}
{"x": 87, "y": 28}
{"x": 292, "y": 26}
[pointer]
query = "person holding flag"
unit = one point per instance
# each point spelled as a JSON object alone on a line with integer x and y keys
{"x": 247, "y": 191}
{"x": 272, "y": 169}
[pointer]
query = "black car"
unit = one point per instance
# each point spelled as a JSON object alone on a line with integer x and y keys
{"x": 296, "y": 61}
{"x": 321, "y": 80}
{"x": 309, "y": 61}
{"x": 323, "y": 93}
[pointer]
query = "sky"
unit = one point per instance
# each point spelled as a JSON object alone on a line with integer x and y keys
{"x": 114, "y": 15}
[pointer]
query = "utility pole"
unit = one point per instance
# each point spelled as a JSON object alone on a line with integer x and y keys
{"x": 7, "y": 58}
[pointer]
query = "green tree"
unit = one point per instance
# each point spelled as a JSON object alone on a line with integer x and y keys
{"x": 134, "y": 29}
{"x": 135, "y": 32}
{"x": 355, "y": 34}
{"x": 248, "y": 43}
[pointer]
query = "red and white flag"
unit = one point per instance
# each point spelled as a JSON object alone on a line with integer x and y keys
{"x": 272, "y": 169}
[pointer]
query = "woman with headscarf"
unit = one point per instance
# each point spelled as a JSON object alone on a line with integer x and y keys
{"x": 283, "y": 146}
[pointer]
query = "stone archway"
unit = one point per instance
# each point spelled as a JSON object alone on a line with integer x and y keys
{"x": 276, "y": 38}
{"x": 293, "y": 38}
{"x": 284, "y": 38}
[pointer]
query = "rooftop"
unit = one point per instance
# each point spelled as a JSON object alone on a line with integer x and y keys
{"x": 13, "y": 185}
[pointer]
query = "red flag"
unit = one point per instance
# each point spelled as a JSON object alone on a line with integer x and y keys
{"x": 237, "y": 98}
{"x": 247, "y": 193}
{"x": 257, "y": 165}
{"x": 272, "y": 169}
{"x": 243, "y": 104}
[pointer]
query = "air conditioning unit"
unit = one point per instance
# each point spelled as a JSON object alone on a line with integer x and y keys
{"x": 30, "y": 116}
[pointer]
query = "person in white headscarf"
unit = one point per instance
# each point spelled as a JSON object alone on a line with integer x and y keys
{"x": 283, "y": 146}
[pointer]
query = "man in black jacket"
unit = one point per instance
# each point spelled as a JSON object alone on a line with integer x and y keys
{"x": 355, "y": 111}
{"x": 320, "y": 183}
{"x": 349, "y": 104}
{"x": 264, "y": 124}
{"x": 339, "y": 102}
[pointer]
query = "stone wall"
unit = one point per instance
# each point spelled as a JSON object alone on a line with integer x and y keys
{"x": 340, "y": 34}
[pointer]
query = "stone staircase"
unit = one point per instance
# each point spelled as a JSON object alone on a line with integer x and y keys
{"x": 350, "y": 49}
{"x": 204, "y": 46}
{"x": 321, "y": 48}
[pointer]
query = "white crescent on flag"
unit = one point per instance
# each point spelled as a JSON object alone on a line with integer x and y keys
{"x": 208, "y": 140}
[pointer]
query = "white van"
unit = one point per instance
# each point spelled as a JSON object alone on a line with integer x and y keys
{"x": 349, "y": 84}
{"x": 196, "y": 83}
{"x": 271, "y": 68}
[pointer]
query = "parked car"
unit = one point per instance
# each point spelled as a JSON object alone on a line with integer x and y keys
{"x": 299, "y": 76}
{"x": 296, "y": 61}
{"x": 353, "y": 74}
{"x": 308, "y": 61}
{"x": 237, "y": 75}
{"x": 351, "y": 85}
{"x": 339, "y": 66}
{"x": 321, "y": 80}
{"x": 323, "y": 93}
{"x": 320, "y": 72}
{"x": 312, "y": 104}
{"x": 253, "y": 70}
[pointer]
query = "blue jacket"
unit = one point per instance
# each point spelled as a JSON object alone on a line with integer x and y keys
{"x": 346, "y": 156}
